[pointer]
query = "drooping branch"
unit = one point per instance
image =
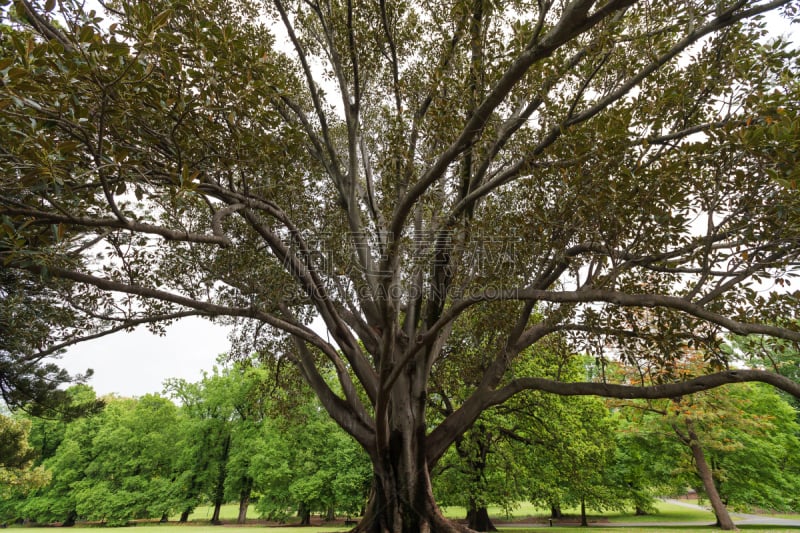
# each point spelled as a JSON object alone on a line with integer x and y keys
{"x": 121, "y": 325}
{"x": 46, "y": 217}
{"x": 651, "y": 392}
{"x": 204, "y": 307}
{"x": 464, "y": 417}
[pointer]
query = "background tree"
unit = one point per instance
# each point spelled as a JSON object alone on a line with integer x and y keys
{"x": 42, "y": 439}
{"x": 56, "y": 502}
{"x": 226, "y": 409}
{"x": 113, "y": 466}
{"x": 132, "y": 472}
{"x": 17, "y": 473}
{"x": 308, "y": 464}
{"x": 209, "y": 406}
{"x": 363, "y": 176}
{"x": 572, "y": 470}
{"x": 536, "y": 447}
{"x": 645, "y": 464}
{"x": 738, "y": 446}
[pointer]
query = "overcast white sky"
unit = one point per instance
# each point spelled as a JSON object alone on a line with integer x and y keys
{"x": 137, "y": 363}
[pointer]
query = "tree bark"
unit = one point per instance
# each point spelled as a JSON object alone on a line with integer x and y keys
{"x": 219, "y": 490}
{"x": 584, "y": 521}
{"x": 305, "y": 514}
{"x": 478, "y": 519}
{"x": 724, "y": 520}
{"x": 185, "y": 516}
{"x": 69, "y": 521}
{"x": 244, "y": 500}
{"x": 555, "y": 511}
{"x": 401, "y": 500}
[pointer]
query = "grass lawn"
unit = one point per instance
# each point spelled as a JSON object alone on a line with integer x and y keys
{"x": 667, "y": 512}
{"x": 227, "y": 512}
{"x": 193, "y": 528}
{"x": 641, "y": 529}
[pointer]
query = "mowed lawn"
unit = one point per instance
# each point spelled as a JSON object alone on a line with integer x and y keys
{"x": 195, "y": 528}
{"x": 525, "y": 513}
{"x": 667, "y": 512}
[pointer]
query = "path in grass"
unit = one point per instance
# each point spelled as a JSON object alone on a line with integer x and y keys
{"x": 670, "y": 520}
{"x": 750, "y": 519}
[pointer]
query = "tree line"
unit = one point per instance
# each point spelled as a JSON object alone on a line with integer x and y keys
{"x": 369, "y": 165}
{"x": 236, "y": 436}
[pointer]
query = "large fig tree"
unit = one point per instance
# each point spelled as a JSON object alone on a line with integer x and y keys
{"x": 620, "y": 173}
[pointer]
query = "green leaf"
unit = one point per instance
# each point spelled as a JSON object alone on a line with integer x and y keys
{"x": 16, "y": 73}
{"x": 162, "y": 18}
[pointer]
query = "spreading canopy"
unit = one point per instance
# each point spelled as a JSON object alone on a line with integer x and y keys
{"x": 618, "y": 172}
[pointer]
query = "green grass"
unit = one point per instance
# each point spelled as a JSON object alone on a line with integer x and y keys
{"x": 173, "y": 528}
{"x": 193, "y": 528}
{"x": 667, "y": 512}
{"x": 227, "y": 512}
{"x": 641, "y": 529}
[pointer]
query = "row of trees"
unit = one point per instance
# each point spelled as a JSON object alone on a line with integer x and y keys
{"x": 737, "y": 448}
{"x": 236, "y": 437}
{"x": 148, "y": 458}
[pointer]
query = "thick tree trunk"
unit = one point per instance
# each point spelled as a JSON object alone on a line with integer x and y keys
{"x": 584, "y": 521}
{"x": 330, "y": 516}
{"x": 219, "y": 490}
{"x": 555, "y": 511}
{"x": 185, "y": 516}
{"x": 244, "y": 500}
{"x": 724, "y": 520}
{"x": 69, "y": 521}
{"x": 478, "y": 519}
{"x": 305, "y": 514}
{"x": 401, "y": 500}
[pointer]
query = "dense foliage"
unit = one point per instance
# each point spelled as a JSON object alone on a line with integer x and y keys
{"x": 148, "y": 458}
{"x": 620, "y": 174}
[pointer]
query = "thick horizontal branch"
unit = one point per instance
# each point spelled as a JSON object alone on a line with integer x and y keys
{"x": 588, "y": 296}
{"x": 653, "y": 392}
{"x": 42, "y": 217}
{"x": 204, "y": 307}
{"x": 482, "y": 399}
{"x": 123, "y": 324}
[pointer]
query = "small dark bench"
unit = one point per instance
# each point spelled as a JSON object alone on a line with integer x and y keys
{"x": 350, "y": 522}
